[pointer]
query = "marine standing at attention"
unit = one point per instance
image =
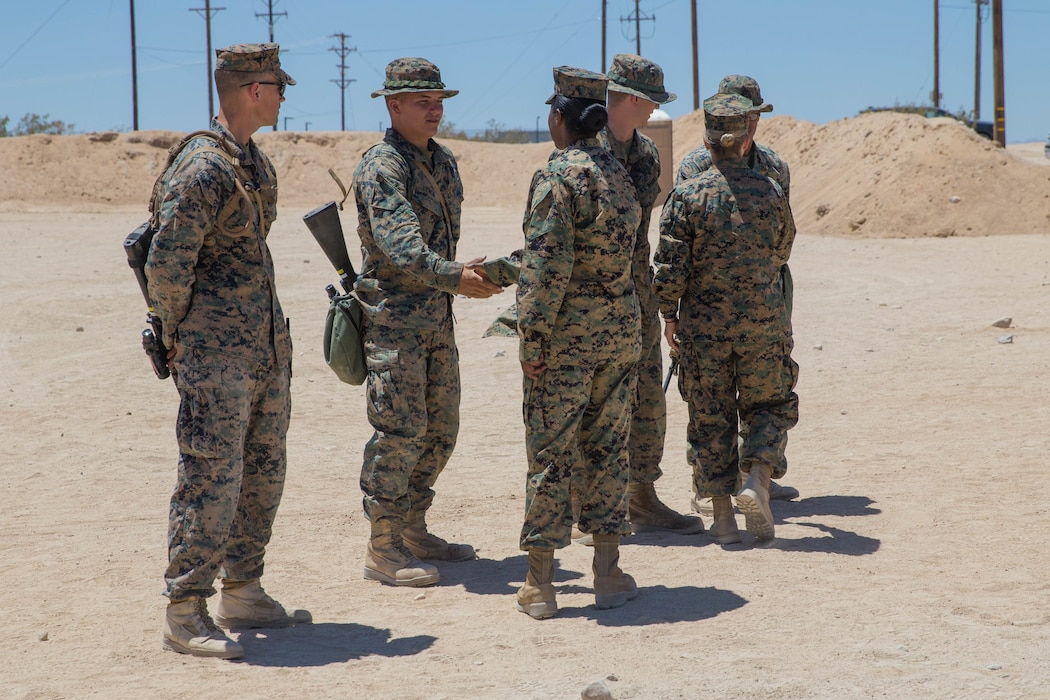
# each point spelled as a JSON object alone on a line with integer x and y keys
{"x": 409, "y": 196}
{"x": 579, "y": 341}
{"x": 211, "y": 281}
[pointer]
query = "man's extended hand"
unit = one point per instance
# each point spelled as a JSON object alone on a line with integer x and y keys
{"x": 474, "y": 283}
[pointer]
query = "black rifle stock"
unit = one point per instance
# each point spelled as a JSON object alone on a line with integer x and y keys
{"x": 136, "y": 245}
{"x": 327, "y": 230}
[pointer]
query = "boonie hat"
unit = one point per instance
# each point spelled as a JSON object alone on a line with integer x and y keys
{"x": 413, "y": 75}
{"x": 748, "y": 87}
{"x": 638, "y": 76}
{"x": 252, "y": 58}
{"x": 726, "y": 113}
{"x": 579, "y": 82}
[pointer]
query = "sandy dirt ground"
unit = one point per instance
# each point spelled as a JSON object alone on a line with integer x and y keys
{"x": 911, "y": 566}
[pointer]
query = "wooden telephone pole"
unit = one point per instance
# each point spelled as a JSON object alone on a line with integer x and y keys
{"x": 997, "y": 60}
{"x": 936, "y": 54}
{"x": 208, "y": 12}
{"x": 977, "y": 62}
{"x": 696, "y": 61}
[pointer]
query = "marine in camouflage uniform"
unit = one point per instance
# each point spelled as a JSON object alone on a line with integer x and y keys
{"x": 409, "y": 197}
{"x": 723, "y": 237}
{"x": 580, "y": 339}
{"x": 636, "y": 87}
{"x": 211, "y": 281}
{"x": 764, "y": 161}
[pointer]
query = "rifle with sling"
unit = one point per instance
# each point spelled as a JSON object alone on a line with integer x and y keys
{"x": 344, "y": 324}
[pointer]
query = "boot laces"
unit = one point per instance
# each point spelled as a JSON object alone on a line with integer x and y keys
{"x": 205, "y": 617}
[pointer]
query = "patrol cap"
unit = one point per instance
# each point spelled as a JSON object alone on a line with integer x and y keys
{"x": 579, "y": 82}
{"x": 412, "y": 75}
{"x": 252, "y": 58}
{"x": 748, "y": 87}
{"x": 726, "y": 113}
{"x": 640, "y": 77}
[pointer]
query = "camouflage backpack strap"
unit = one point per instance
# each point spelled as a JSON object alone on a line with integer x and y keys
{"x": 240, "y": 178}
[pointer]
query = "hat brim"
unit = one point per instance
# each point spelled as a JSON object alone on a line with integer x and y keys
{"x": 660, "y": 98}
{"x": 764, "y": 107}
{"x": 281, "y": 75}
{"x": 397, "y": 91}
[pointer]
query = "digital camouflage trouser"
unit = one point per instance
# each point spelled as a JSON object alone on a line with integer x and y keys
{"x": 649, "y": 417}
{"x": 413, "y": 394}
{"x": 231, "y": 429}
{"x": 577, "y": 418}
{"x": 736, "y": 387}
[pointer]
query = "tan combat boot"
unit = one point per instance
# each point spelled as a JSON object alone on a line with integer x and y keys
{"x": 724, "y": 529}
{"x": 778, "y": 492}
{"x": 188, "y": 629}
{"x": 648, "y": 513}
{"x": 753, "y": 502}
{"x": 536, "y": 598}
{"x": 704, "y": 506}
{"x": 244, "y": 604}
{"x": 389, "y": 561}
{"x": 427, "y": 546}
{"x": 581, "y": 537}
{"x": 612, "y": 587}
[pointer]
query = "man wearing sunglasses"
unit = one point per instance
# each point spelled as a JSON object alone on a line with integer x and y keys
{"x": 211, "y": 281}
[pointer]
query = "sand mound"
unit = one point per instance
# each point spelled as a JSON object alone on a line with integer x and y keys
{"x": 875, "y": 175}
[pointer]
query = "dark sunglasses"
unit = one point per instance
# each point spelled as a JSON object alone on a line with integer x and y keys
{"x": 281, "y": 85}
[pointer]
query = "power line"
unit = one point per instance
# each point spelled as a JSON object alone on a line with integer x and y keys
{"x": 271, "y": 14}
{"x": 30, "y": 37}
{"x": 637, "y": 18}
{"x": 208, "y": 12}
{"x": 342, "y": 50}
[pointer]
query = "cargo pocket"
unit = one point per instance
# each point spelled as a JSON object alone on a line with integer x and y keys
{"x": 213, "y": 407}
{"x": 387, "y": 404}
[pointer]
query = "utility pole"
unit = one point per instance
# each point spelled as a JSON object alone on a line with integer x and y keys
{"x": 208, "y": 12}
{"x": 977, "y": 63}
{"x": 286, "y": 122}
{"x": 997, "y": 60}
{"x": 134, "y": 75}
{"x": 271, "y": 14}
{"x": 637, "y": 19}
{"x": 342, "y": 50}
{"x": 605, "y": 4}
{"x": 696, "y": 61}
{"x": 936, "y": 54}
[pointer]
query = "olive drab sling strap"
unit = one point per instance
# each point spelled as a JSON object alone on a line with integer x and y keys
{"x": 444, "y": 210}
{"x": 441, "y": 198}
{"x": 239, "y": 180}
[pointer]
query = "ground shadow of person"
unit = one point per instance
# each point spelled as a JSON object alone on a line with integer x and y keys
{"x": 321, "y": 644}
{"x": 657, "y": 605}
{"x": 495, "y": 576}
{"x": 824, "y": 505}
{"x": 837, "y": 541}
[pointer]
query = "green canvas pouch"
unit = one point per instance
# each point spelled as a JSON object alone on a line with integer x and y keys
{"x": 344, "y": 348}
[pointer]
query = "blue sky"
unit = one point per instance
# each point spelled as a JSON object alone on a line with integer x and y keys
{"x": 817, "y": 60}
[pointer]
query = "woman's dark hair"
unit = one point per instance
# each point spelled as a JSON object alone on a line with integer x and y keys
{"x": 583, "y": 117}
